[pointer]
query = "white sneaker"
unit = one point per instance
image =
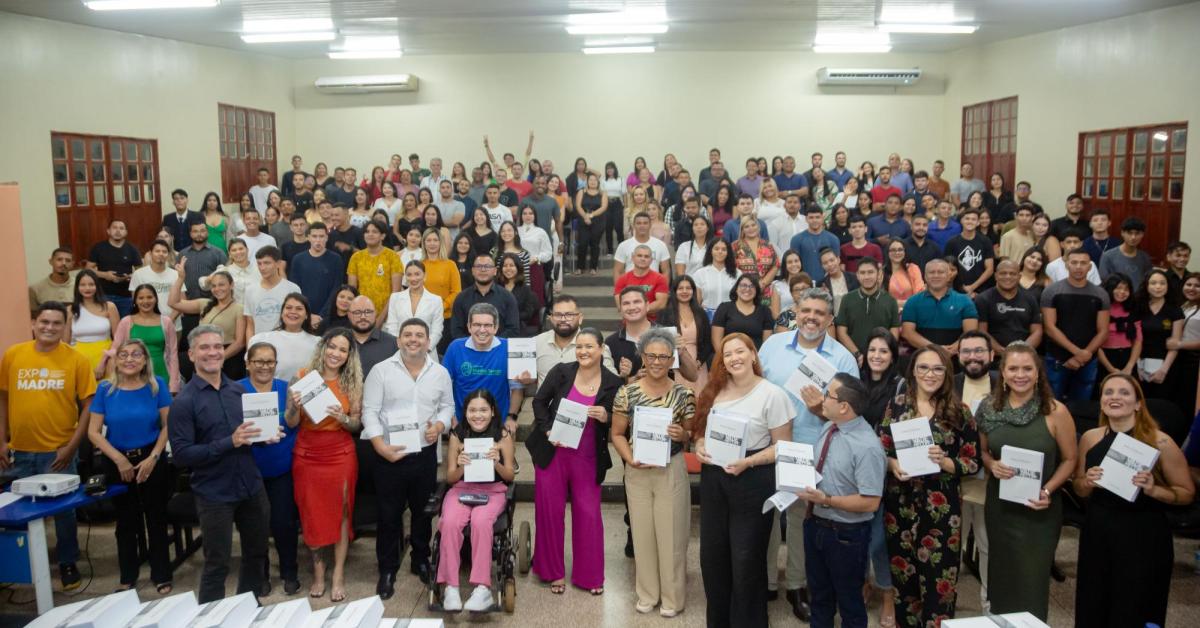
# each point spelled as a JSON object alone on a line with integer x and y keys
{"x": 451, "y": 600}
{"x": 480, "y": 600}
{"x": 643, "y": 608}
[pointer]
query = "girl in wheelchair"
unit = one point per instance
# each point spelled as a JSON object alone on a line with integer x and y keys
{"x": 482, "y": 420}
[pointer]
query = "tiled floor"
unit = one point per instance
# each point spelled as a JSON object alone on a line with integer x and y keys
{"x": 536, "y": 606}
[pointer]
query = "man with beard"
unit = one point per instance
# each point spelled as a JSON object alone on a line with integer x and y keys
{"x": 200, "y": 259}
{"x": 781, "y": 355}
{"x": 973, "y": 384}
{"x": 485, "y": 290}
{"x": 408, "y": 384}
{"x": 1008, "y": 312}
{"x": 557, "y": 345}
{"x": 374, "y": 345}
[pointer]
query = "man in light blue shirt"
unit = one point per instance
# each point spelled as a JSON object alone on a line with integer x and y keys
{"x": 809, "y": 243}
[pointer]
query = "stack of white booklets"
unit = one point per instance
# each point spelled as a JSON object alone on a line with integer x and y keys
{"x": 315, "y": 396}
{"x": 1026, "y": 484}
{"x": 412, "y": 623}
{"x": 725, "y": 437}
{"x": 1126, "y": 457}
{"x": 403, "y": 429}
{"x": 262, "y": 409}
{"x": 912, "y": 439}
{"x": 651, "y": 444}
{"x": 568, "y": 424}
{"x": 522, "y": 357}
{"x": 795, "y": 466}
{"x": 110, "y": 611}
{"x": 480, "y": 468}
{"x": 232, "y": 612}
{"x": 168, "y": 612}
{"x": 1008, "y": 620}
{"x": 283, "y": 615}
{"x": 814, "y": 370}
{"x": 364, "y": 613}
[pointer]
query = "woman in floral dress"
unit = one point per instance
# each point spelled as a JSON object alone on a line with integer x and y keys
{"x": 755, "y": 255}
{"x": 923, "y": 514}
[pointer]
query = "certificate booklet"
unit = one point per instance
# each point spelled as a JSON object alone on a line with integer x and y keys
{"x": 651, "y": 444}
{"x": 795, "y": 466}
{"x": 282, "y": 615}
{"x": 480, "y": 468}
{"x": 401, "y": 428}
{"x": 315, "y": 396}
{"x": 1026, "y": 485}
{"x": 568, "y": 423}
{"x": 261, "y": 409}
{"x": 1125, "y": 457}
{"x": 674, "y": 331}
{"x": 522, "y": 357}
{"x": 168, "y": 612}
{"x": 725, "y": 437}
{"x": 814, "y": 370}
{"x": 912, "y": 439}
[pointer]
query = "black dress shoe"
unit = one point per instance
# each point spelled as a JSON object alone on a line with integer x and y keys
{"x": 1057, "y": 574}
{"x": 386, "y": 587}
{"x": 421, "y": 570}
{"x": 265, "y": 589}
{"x": 772, "y": 595}
{"x": 798, "y": 598}
{"x": 291, "y": 587}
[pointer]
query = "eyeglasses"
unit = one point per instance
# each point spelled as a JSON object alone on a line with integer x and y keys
{"x": 564, "y": 316}
{"x": 362, "y": 312}
{"x": 655, "y": 357}
{"x": 263, "y": 363}
{"x": 925, "y": 369}
{"x": 830, "y": 396}
{"x": 484, "y": 266}
{"x": 129, "y": 355}
{"x": 976, "y": 351}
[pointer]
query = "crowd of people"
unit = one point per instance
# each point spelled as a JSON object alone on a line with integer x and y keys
{"x": 961, "y": 303}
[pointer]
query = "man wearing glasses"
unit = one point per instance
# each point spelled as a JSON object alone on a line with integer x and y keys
{"x": 486, "y": 291}
{"x": 481, "y": 361}
{"x": 374, "y": 345}
{"x": 557, "y": 345}
{"x": 975, "y": 382}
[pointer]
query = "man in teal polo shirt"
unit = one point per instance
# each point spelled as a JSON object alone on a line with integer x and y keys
{"x": 781, "y": 355}
{"x": 938, "y": 315}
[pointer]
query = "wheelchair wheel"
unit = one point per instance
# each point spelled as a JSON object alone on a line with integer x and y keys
{"x": 509, "y": 596}
{"x": 524, "y": 547}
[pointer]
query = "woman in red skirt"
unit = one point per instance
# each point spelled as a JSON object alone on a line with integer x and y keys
{"x": 324, "y": 465}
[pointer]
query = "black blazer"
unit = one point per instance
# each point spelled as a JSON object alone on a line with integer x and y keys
{"x": 555, "y": 387}
{"x": 851, "y": 282}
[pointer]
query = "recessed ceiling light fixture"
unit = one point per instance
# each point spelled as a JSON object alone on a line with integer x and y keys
{"x": 269, "y": 31}
{"x": 639, "y": 21}
{"x": 618, "y": 50}
{"x": 937, "y": 29}
{"x": 132, "y": 5}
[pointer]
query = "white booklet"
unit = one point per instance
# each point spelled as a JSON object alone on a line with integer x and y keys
{"x": 1148, "y": 366}
{"x": 651, "y": 444}
{"x": 1125, "y": 457}
{"x": 725, "y": 437}
{"x": 568, "y": 423}
{"x": 522, "y": 357}
{"x": 167, "y": 612}
{"x": 402, "y": 428}
{"x": 481, "y": 468}
{"x": 814, "y": 370}
{"x": 912, "y": 439}
{"x": 674, "y": 331}
{"x": 315, "y": 396}
{"x": 795, "y": 466}
{"x": 1026, "y": 484}
{"x": 262, "y": 409}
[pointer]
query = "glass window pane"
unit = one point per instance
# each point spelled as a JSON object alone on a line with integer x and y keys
{"x": 1177, "y": 165}
{"x": 1089, "y": 167}
{"x": 58, "y": 148}
{"x": 1102, "y": 189}
{"x": 118, "y": 175}
{"x": 118, "y": 194}
{"x": 131, "y": 151}
{"x": 149, "y": 193}
{"x": 252, "y": 121}
{"x": 245, "y": 152}
{"x": 1105, "y": 144}
{"x": 1139, "y": 166}
{"x": 1004, "y": 144}
{"x": 1156, "y": 190}
{"x": 1137, "y": 190}
{"x": 231, "y": 117}
{"x": 147, "y": 172}
{"x": 79, "y": 172}
{"x": 147, "y": 152}
{"x": 131, "y": 172}
{"x": 77, "y": 151}
{"x": 1119, "y": 167}
{"x": 97, "y": 153}
{"x": 1139, "y": 141}
{"x": 60, "y": 173}
{"x": 224, "y": 150}
{"x": 270, "y": 137}
{"x": 98, "y": 173}
{"x": 271, "y": 121}
{"x": 1119, "y": 148}
{"x": 1118, "y": 189}
{"x": 62, "y": 196}
{"x": 100, "y": 193}
{"x": 1102, "y": 167}
{"x": 114, "y": 150}
{"x": 270, "y": 152}
{"x": 1088, "y": 186}
{"x": 241, "y": 117}
{"x": 81, "y": 195}
{"x": 135, "y": 193}
{"x": 241, "y": 134}
{"x": 1158, "y": 165}
{"x": 1089, "y": 146}
{"x": 1158, "y": 141}
{"x": 1179, "y": 139}
{"x": 253, "y": 151}
{"x": 1175, "y": 190}
{"x": 966, "y": 147}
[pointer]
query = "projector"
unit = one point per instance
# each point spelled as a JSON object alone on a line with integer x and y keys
{"x": 46, "y": 485}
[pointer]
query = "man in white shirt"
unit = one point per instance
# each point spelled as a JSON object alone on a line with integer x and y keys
{"x": 1057, "y": 270}
{"x": 641, "y": 236}
{"x": 435, "y": 178}
{"x": 160, "y": 276}
{"x": 407, "y": 388}
{"x": 557, "y": 345}
{"x": 453, "y": 210}
{"x": 254, "y": 238}
{"x": 787, "y": 225}
{"x": 258, "y": 193}
{"x": 497, "y": 214}
{"x": 263, "y": 301}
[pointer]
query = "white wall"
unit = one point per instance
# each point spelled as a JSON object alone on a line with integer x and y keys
{"x": 64, "y": 77}
{"x": 1124, "y": 72}
{"x": 617, "y": 107}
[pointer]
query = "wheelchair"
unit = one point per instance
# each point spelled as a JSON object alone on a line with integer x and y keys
{"x": 509, "y": 552}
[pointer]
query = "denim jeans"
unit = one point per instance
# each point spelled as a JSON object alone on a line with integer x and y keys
{"x": 27, "y": 463}
{"x": 1071, "y": 384}
{"x": 836, "y": 558}
{"x": 878, "y": 552}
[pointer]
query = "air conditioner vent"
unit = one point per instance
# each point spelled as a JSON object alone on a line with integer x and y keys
{"x": 367, "y": 84}
{"x": 866, "y": 76}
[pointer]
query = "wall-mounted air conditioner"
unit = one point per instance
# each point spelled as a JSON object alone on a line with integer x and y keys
{"x": 863, "y": 76}
{"x": 369, "y": 84}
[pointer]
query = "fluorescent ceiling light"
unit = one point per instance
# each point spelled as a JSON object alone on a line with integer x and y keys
{"x": 636, "y": 21}
{"x": 943, "y": 29}
{"x": 129, "y": 5}
{"x": 302, "y": 25}
{"x": 850, "y": 49}
{"x": 366, "y": 54}
{"x": 933, "y": 13}
{"x": 371, "y": 42}
{"x": 279, "y": 38}
{"x": 617, "y": 29}
{"x": 596, "y": 42}
{"x": 618, "y": 50}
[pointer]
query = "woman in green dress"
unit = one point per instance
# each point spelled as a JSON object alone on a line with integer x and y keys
{"x": 1022, "y": 537}
{"x": 156, "y": 330}
{"x": 216, "y": 221}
